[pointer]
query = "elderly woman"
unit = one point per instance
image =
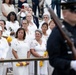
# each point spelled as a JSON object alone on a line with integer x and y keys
{"x": 31, "y": 26}
{"x": 20, "y": 50}
{"x": 46, "y": 18}
{"x": 38, "y": 48}
{"x": 7, "y": 7}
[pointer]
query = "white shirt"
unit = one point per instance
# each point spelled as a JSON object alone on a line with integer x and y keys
{"x": 12, "y": 26}
{"x": 32, "y": 28}
{"x": 4, "y": 47}
{"x": 22, "y": 47}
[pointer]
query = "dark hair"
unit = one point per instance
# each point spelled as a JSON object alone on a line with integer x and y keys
{"x": 18, "y": 31}
{"x": 45, "y": 24}
{"x": 3, "y": 22}
{"x": 11, "y": 13}
{"x": 10, "y": 1}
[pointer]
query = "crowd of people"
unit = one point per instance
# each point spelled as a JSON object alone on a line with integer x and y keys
{"x": 22, "y": 35}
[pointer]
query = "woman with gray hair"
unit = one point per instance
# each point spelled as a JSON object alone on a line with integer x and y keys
{"x": 46, "y": 18}
{"x": 38, "y": 48}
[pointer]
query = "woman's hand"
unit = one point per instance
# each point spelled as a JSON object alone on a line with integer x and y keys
{"x": 27, "y": 63}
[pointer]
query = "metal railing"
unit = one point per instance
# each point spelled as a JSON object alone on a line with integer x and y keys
{"x": 28, "y": 59}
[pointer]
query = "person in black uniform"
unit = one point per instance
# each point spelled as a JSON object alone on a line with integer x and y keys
{"x": 60, "y": 54}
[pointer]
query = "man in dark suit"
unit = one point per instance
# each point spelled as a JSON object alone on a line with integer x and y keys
{"x": 60, "y": 53}
{"x": 36, "y": 21}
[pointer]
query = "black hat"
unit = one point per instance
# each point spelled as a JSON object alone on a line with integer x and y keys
{"x": 69, "y": 4}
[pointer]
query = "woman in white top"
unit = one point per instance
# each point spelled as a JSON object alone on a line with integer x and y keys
{"x": 32, "y": 26}
{"x": 4, "y": 47}
{"x": 38, "y": 47}
{"x": 12, "y": 24}
{"x": 50, "y": 27}
{"x": 5, "y": 32}
{"x": 20, "y": 50}
{"x": 44, "y": 29}
{"x": 29, "y": 35}
{"x": 46, "y": 18}
{"x": 6, "y": 8}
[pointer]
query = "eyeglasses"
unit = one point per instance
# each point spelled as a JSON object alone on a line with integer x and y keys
{"x": 45, "y": 17}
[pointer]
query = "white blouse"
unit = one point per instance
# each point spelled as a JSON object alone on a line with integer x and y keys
{"x": 12, "y": 26}
{"x": 4, "y": 47}
{"x": 22, "y": 47}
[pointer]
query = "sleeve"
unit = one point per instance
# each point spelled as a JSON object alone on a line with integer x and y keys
{"x": 32, "y": 45}
{"x": 54, "y": 52}
{"x": 14, "y": 44}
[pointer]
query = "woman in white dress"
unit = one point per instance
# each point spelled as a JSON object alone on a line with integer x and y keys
{"x": 5, "y": 34}
{"x": 6, "y": 8}
{"x": 12, "y": 24}
{"x": 20, "y": 50}
{"x": 38, "y": 47}
{"x": 4, "y": 47}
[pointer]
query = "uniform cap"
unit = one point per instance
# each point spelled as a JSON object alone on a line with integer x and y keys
{"x": 69, "y": 4}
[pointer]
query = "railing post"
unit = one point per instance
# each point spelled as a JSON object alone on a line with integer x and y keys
{"x": 35, "y": 67}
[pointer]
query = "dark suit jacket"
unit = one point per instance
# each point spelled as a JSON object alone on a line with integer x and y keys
{"x": 36, "y": 21}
